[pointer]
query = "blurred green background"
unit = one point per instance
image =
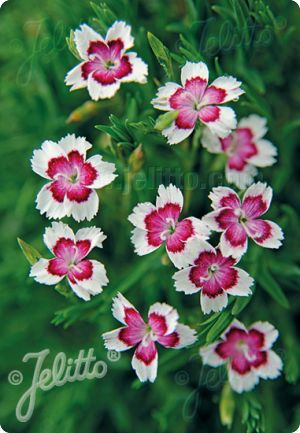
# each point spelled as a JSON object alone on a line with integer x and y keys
{"x": 256, "y": 41}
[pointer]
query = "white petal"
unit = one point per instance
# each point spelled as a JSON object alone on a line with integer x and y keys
{"x": 201, "y": 229}
{"x": 139, "y": 70}
{"x": 227, "y": 249}
{"x": 98, "y": 280}
{"x": 180, "y": 260}
{"x": 210, "y": 356}
{"x": 272, "y": 368}
{"x": 75, "y": 79}
{"x": 139, "y": 213}
{"x": 94, "y": 234}
{"x": 84, "y": 210}
{"x": 83, "y": 37}
{"x": 161, "y": 102}
{"x": 242, "y": 178}
{"x": 120, "y": 30}
{"x": 56, "y": 231}
{"x": 226, "y": 122}
{"x": 275, "y": 241}
{"x": 105, "y": 170}
{"x": 242, "y": 382}
{"x": 139, "y": 239}
{"x": 39, "y": 271}
{"x": 187, "y": 336}
{"x": 168, "y": 312}
{"x": 270, "y": 333}
{"x": 169, "y": 194}
{"x": 183, "y": 282}
{"x": 257, "y": 124}
{"x": 211, "y": 141}
{"x": 266, "y": 155}
{"x": 260, "y": 189}
{"x": 120, "y": 304}
{"x": 98, "y": 91}
{"x": 242, "y": 287}
{"x": 41, "y": 157}
{"x": 71, "y": 142}
{"x": 145, "y": 372}
{"x": 80, "y": 291}
{"x": 175, "y": 135}
{"x": 219, "y": 193}
{"x": 232, "y": 87}
{"x": 210, "y": 220}
{"x": 234, "y": 324}
{"x": 193, "y": 70}
{"x": 215, "y": 304}
{"x": 194, "y": 247}
{"x": 48, "y": 205}
{"x": 112, "y": 341}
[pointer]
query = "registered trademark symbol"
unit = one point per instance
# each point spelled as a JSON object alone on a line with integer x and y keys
{"x": 113, "y": 356}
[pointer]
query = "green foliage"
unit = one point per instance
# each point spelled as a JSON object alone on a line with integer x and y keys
{"x": 252, "y": 414}
{"x": 31, "y": 254}
{"x": 161, "y": 53}
{"x": 256, "y": 42}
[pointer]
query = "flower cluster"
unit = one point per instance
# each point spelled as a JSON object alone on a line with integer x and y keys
{"x": 70, "y": 191}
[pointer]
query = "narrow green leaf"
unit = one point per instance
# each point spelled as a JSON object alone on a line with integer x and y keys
{"x": 162, "y": 54}
{"x": 31, "y": 254}
{"x": 268, "y": 283}
{"x": 240, "y": 304}
{"x": 221, "y": 324}
{"x": 111, "y": 131}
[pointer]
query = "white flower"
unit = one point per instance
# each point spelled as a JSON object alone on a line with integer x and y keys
{"x": 86, "y": 277}
{"x": 73, "y": 178}
{"x": 245, "y": 149}
{"x": 106, "y": 62}
{"x": 194, "y": 100}
{"x": 247, "y": 354}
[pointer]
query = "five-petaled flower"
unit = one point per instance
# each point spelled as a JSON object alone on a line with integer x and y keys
{"x": 156, "y": 225}
{"x": 247, "y": 353}
{"x": 86, "y": 277}
{"x": 214, "y": 275}
{"x": 238, "y": 220}
{"x": 196, "y": 100}
{"x": 105, "y": 62}
{"x": 74, "y": 179}
{"x": 162, "y": 327}
{"x": 245, "y": 149}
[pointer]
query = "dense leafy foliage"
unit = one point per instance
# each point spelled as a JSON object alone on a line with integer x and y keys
{"x": 255, "y": 41}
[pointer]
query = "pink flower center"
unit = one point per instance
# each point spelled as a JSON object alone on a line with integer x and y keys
{"x": 169, "y": 230}
{"x": 196, "y": 100}
{"x": 241, "y": 215}
{"x": 239, "y": 147}
{"x": 213, "y": 269}
{"x": 243, "y": 348}
{"x": 71, "y": 176}
{"x": 106, "y": 62}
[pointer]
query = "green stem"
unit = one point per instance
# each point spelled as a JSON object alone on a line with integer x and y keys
{"x": 191, "y": 154}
